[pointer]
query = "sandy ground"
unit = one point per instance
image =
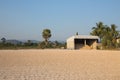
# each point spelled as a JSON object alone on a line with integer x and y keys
{"x": 59, "y": 65}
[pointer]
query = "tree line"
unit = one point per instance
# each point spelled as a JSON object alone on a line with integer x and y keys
{"x": 46, "y": 34}
{"x": 108, "y": 39}
{"x": 108, "y": 35}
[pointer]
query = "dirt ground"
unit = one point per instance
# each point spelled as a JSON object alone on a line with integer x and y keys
{"x": 59, "y": 65}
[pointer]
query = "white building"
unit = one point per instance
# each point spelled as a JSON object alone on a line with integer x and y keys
{"x": 118, "y": 40}
{"x": 82, "y": 42}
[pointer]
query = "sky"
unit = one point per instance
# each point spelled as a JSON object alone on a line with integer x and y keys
{"x": 26, "y": 19}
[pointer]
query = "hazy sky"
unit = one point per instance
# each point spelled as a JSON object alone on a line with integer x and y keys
{"x": 25, "y": 19}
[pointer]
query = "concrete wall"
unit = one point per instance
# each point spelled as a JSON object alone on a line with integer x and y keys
{"x": 118, "y": 40}
{"x": 70, "y": 44}
{"x": 94, "y": 45}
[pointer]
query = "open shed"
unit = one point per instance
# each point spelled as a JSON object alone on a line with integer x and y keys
{"x": 82, "y": 42}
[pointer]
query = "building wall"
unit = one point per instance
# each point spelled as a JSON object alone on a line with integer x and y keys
{"x": 79, "y": 43}
{"x": 94, "y": 45}
{"x": 118, "y": 40}
{"x": 70, "y": 44}
{"x": 82, "y": 43}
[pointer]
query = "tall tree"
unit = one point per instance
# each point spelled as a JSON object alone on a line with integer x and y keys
{"x": 107, "y": 39}
{"x": 46, "y": 35}
{"x": 3, "y": 40}
{"x": 107, "y": 35}
{"x": 29, "y": 42}
{"x": 114, "y": 32}
{"x": 98, "y": 30}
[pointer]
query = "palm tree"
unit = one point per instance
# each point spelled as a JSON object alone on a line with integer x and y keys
{"x": 114, "y": 32}
{"x": 107, "y": 35}
{"x": 98, "y": 30}
{"x": 110, "y": 36}
{"x": 46, "y": 35}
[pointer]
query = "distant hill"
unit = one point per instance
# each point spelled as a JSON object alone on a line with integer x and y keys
{"x": 20, "y": 42}
{"x": 14, "y": 42}
{"x": 33, "y": 41}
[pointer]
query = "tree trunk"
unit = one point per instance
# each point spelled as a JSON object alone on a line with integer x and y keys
{"x": 46, "y": 42}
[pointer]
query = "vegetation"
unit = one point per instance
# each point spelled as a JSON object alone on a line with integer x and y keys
{"x": 108, "y": 38}
{"x": 51, "y": 45}
{"x": 46, "y": 35}
{"x": 26, "y": 45}
{"x": 107, "y": 35}
{"x": 98, "y": 30}
{"x": 76, "y": 33}
{"x": 3, "y": 40}
{"x": 41, "y": 45}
